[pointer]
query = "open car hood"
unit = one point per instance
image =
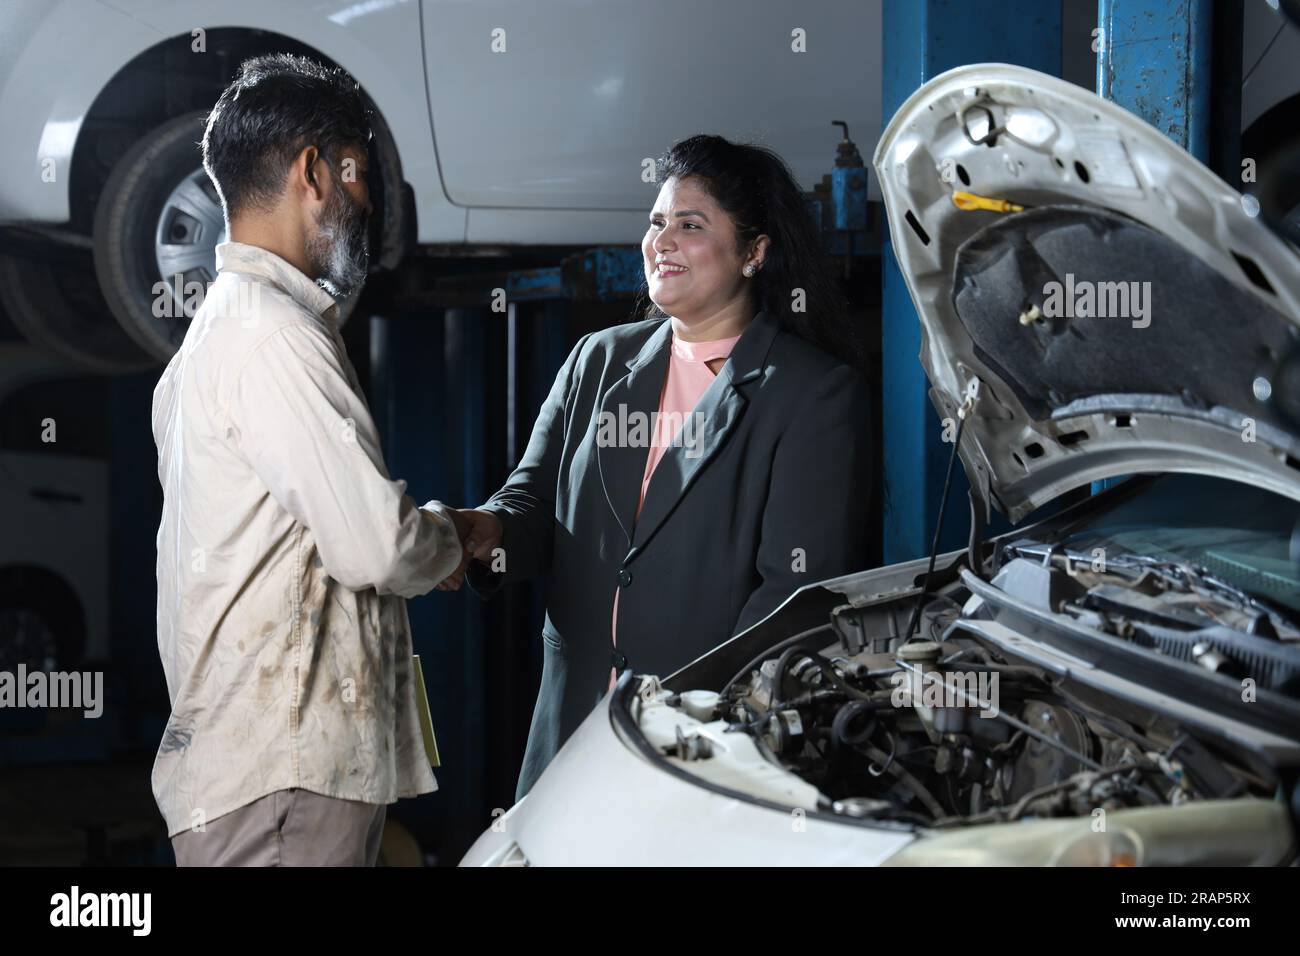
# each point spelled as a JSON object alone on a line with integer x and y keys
{"x": 1134, "y": 317}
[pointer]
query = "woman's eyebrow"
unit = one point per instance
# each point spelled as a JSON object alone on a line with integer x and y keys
{"x": 682, "y": 213}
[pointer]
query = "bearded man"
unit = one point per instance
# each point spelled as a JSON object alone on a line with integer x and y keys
{"x": 285, "y": 552}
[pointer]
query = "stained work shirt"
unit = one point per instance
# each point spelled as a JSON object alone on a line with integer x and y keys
{"x": 285, "y": 555}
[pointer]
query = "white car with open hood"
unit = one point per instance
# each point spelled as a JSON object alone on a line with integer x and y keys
{"x": 1116, "y": 684}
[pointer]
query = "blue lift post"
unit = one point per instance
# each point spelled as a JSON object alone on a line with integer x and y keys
{"x": 923, "y": 38}
{"x": 1155, "y": 60}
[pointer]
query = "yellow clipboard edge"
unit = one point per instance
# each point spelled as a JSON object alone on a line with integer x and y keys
{"x": 426, "y": 719}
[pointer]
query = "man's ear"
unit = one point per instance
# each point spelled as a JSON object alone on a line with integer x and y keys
{"x": 306, "y": 171}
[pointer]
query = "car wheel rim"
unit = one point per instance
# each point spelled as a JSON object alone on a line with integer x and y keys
{"x": 190, "y": 227}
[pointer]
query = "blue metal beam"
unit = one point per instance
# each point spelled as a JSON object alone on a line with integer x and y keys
{"x": 923, "y": 38}
{"x": 1155, "y": 61}
{"x": 604, "y": 273}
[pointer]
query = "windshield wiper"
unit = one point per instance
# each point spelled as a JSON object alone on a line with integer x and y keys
{"x": 1193, "y": 578}
{"x": 1186, "y": 576}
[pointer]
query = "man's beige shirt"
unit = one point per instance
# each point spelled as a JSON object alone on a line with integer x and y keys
{"x": 285, "y": 555}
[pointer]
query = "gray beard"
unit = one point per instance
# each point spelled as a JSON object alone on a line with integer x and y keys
{"x": 340, "y": 250}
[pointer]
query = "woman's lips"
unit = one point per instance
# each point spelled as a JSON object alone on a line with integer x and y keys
{"x": 666, "y": 269}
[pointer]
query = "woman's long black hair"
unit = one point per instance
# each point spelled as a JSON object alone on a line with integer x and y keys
{"x": 754, "y": 186}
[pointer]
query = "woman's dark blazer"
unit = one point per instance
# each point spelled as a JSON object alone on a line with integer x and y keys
{"x": 774, "y": 495}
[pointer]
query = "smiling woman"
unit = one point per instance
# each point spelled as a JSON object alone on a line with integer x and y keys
{"x": 731, "y": 224}
{"x": 662, "y": 543}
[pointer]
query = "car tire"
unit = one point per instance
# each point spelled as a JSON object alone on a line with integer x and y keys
{"x": 159, "y": 216}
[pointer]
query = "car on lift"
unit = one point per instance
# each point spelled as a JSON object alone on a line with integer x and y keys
{"x": 497, "y": 126}
{"x": 1117, "y": 683}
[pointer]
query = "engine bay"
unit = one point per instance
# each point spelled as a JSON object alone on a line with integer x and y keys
{"x": 932, "y": 724}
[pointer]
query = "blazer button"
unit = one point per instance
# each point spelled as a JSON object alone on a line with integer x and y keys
{"x": 619, "y": 660}
{"x": 624, "y": 577}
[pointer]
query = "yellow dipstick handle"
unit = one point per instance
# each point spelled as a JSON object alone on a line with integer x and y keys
{"x": 969, "y": 201}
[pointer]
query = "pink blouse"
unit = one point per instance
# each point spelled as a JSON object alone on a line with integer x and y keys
{"x": 689, "y": 377}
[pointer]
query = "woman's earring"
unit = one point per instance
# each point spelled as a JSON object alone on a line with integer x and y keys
{"x": 749, "y": 271}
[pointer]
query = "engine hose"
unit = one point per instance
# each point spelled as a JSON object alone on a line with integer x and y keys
{"x": 917, "y": 788}
{"x": 846, "y": 715}
{"x": 822, "y": 664}
{"x": 799, "y": 638}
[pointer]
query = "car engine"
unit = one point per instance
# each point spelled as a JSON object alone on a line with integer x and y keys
{"x": 935, "y": 725}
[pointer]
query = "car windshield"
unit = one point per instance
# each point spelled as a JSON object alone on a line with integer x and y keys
{"x": 1243, "y": 535}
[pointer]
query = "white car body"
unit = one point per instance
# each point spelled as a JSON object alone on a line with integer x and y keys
{"x": 635, "y": 814}
{"x": 560, "y": 165}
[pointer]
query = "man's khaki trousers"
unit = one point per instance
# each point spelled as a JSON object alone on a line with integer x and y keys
{"x": 287, "y": 828}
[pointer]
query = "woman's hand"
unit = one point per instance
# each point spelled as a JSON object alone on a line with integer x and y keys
{"x": 480, "y": 535}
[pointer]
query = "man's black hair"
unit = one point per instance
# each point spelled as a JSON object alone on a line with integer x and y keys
{"x": 275, "y": 107}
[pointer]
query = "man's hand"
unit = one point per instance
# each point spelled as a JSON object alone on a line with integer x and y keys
{"x": 480, "y": 535}
{"x": 462, "y": 524}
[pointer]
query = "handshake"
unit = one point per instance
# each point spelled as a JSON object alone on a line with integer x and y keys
{"x": 480, "y": 535}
